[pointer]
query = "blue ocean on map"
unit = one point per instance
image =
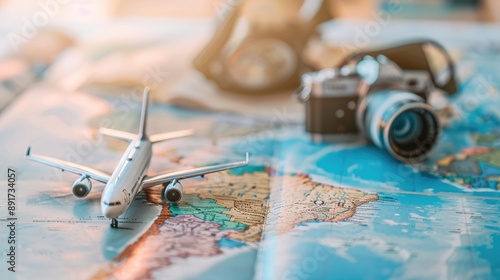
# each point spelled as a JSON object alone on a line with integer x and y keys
{"x": 422, "y": 226}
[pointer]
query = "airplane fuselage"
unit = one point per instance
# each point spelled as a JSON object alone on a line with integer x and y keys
{"x": 126, "y": 180}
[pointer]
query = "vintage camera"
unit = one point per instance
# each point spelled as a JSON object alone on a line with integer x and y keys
{"x": 377, "y": 98}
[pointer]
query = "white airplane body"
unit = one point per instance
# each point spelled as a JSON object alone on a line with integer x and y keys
{"x": 130, "y": 176}
{"x": 125, "y": 182}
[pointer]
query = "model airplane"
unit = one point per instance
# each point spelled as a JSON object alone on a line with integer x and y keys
{"x": 129, "y": 177}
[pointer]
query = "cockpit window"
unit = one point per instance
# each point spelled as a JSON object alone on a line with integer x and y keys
{"x": 112, "y": 203}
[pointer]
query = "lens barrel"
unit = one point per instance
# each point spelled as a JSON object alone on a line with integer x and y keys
{"x": 401, "y": 123}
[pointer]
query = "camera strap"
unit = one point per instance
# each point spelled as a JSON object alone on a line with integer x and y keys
{"x": 413, "y": 56}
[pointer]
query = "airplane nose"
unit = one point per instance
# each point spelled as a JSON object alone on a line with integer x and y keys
{"x": 110, "y": 212}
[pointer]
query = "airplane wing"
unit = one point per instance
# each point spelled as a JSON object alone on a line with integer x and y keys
{"x": 70, "y": 167}
{"x": 183, "y": 174}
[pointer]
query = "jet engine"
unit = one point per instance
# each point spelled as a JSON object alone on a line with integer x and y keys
{"x": 81, "y": 187}
{"x": 172, "y": 192}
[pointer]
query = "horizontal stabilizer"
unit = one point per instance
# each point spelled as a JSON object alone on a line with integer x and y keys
{"x": 170, "y": 135}
{"x": 126, "y": 136}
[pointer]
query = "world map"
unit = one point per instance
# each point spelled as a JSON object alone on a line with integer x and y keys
{"x": 301, "y": 210}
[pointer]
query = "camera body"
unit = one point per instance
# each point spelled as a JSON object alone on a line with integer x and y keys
{"x": 374, "y": 97}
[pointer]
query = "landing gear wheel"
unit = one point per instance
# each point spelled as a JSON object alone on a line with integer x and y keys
{"x": 114, "y": 223}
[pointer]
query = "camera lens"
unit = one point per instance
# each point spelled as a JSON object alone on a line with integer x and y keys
{"x": 406, "y": 128}
{"x": 401, "y": 123}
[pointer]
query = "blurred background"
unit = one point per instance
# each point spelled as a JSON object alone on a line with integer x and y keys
{"x": 210, "y": 54}
{"x": 84, "y": 10}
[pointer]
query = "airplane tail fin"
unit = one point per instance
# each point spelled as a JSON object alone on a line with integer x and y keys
{"x": 144, "y": 114}
{"x": 142, "y": 129}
